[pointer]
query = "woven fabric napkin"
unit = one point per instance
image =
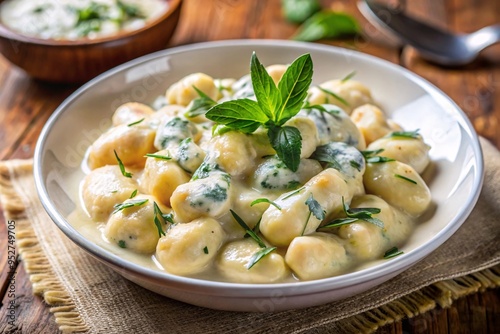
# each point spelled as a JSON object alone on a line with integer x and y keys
{"x": 86, "y": 296}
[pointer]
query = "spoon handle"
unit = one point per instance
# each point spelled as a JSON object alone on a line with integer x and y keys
{"x": 484, "y": 37}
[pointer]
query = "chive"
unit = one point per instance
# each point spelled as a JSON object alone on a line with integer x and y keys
{"x": 404, "y": 134}
{"x": 265, "y": 200}
{"x": 259, "y": 255}
{"x": 122, "y": 166}
{"x": 405, "y": 178}
{"x": 378, "y": 159}
{"x": 129, "y": 204}
{"x": 348, "y": 77}
{"x": 247, "y": 229}
{"x": 370, "y": 153}
{"x": 393, "y": 252}
{"x": 133, "y": 194}
{"x": 293, "y": 193}
{"x": 158, "y": 156}
{"x": 136, "y": 122}
{"x": 329, "y": 92}
{"x": 157, "y": 222}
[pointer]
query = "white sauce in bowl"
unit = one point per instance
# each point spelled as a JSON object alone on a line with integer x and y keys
{"x": 76, "y": 19}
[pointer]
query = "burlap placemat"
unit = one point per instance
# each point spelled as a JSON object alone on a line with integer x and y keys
{"x": 86, "y": 296}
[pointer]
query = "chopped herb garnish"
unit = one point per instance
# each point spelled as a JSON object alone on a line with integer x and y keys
{"x": 379, "y": 159}
{"x": 136, "y": 122}
{"x": 133, "y": 194}
{"x": 205, "y": 250}
{"x": 293, "y": 193}
{"x": 247, "y": 229}
{"x": 158, "y": 156}
{"x": 348, "y": 77}
{"x": 355, "y": 164}
{"x": 405, "y": 134}
{"x": 114, "y": 191}
{"x": 315, "y": 209}
{"x": 157, "y": 212}
{"x": 327, "y": 24}
{"x": 122, "y": 166}
{"x": 337, "y": 97}
{"x": 265, "y": 200}
{"x": 122, "y": 244}
{"x": 259, "y": 255}
{"x": 405, "y": 178}
{"x": 130, "y": 9}
{"x": 393, "y": 252}
{"x": 275, "y": 105}
{"x": 356, "y": 214}
{"x": 129, "y": 204}
{"x": 370, "y": 153}
{"x": 200, "y": 105}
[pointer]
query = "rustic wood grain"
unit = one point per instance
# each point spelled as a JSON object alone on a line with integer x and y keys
{"x": 26, "y": 104}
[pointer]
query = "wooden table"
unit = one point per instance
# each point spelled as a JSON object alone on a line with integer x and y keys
{"x": 26, "y": 104}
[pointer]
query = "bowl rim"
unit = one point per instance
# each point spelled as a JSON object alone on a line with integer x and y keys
{"x": 7, "y": 33}
{"x": 219, "y": 288}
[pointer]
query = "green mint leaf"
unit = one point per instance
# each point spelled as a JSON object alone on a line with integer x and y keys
{"x": 122, "y": 166}
{"x": 297, "y": 11}
{"x": 394, "y": 251}
{"x": 128, "y": 204}
{"x": 287, "y": 142}
{"x": 293, "y": 87}
{"x": 244, "y": 115}
{"x": 247, "y": 229}
{"x": 405, "y": 134}
{"x": 334, "y": 95}
{"x": 405, "y": 178}
{"x": 266, "y": 92}
{"x": 259, "y": 255}
{"x": 327, "y": 24}
{"x": 315, "y": 208}
{"x": 265, "y": 200}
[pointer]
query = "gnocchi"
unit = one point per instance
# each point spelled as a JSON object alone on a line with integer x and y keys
{"x": 301, "y": 195}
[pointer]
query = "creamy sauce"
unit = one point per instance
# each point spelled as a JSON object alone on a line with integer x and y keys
{"x": 75, "y": 19}
{"x": 194, "y": 179}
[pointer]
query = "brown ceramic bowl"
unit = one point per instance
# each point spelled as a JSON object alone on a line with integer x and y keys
{"x": 78, "y": 61}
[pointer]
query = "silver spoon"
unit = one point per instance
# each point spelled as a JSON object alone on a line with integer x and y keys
{"x": 433, "y": 44}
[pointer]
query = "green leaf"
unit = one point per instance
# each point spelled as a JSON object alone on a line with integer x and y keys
{"x": 133, "y": 194}
{"x": 394, "y": 251}
{"x": 259, "y": 255}
{"x": 247, "y": 229}
{"x": 297, "y": 11}
{"x": 287, "y": 142}
{"x": 266, "y": 92}
{"x": 122, "y": 166}
{"x": 339, "y": 222}
{"x": 327, "y": 24}
{"x": 265, "y": 200}
{"x": 293, "y": 87}
{"x": 370, "y": 153}
{"x": 315, "y": 208}
{"x": 128, "y": 204}
{"x": 244, "y": 115}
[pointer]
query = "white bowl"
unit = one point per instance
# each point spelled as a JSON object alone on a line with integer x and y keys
{"x": 455, "y": 182}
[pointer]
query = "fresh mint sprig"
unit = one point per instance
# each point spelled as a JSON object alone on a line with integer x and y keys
{"x": 275, "y": 105}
